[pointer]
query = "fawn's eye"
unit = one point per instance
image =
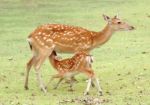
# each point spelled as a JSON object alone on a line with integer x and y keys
{"x": 119, "y": 22}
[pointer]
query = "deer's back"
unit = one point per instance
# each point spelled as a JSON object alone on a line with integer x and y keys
{"x": 66, "y": 38}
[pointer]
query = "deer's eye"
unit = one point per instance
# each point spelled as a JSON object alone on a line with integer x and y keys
{"x": 119, "y": 22}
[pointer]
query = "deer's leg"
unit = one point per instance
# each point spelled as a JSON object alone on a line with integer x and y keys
{"x": 93, "y": 85}
{"x": 39, "y": 61}
{"x": 98, "y": 86}
{"x": 37, "y": 66}
{"x": 28, "y": 68}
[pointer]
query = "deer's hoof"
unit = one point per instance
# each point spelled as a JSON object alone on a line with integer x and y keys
{"x": 86, "y": 93}
{"x": 46, "y": 87}
{"x": 100, "y": 93}
{"x": 93, "y": 85}
{"x": 26, "y": 87}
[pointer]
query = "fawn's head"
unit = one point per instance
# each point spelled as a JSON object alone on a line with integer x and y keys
{"x": 117, "y": 24}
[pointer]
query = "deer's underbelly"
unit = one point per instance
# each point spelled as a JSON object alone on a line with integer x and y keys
{"x": 71, "y": 47}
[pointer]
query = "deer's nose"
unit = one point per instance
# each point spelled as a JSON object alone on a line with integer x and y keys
{"x": 132, "y": 28}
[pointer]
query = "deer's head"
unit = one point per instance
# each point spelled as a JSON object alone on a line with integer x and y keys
{"x": 117, "y": 24}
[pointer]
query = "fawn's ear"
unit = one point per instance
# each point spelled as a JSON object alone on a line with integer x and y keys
{"x": 106, "y": 18}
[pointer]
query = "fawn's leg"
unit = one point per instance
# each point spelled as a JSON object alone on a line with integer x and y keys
{"x": 98, "y": 86}
{"x": 89, "y": 72}
{"x": 60, "y": 80}
{"x": 88, "y": 87}
{"x": 52, "y": 78}
{"x": 72, "y": 81}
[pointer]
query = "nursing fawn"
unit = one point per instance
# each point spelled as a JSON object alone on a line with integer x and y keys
{"x": 68, "y": 68}
{"x": 67, "y": 39}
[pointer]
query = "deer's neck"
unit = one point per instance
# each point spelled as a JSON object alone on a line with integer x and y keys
{"x": 103, "y": 36}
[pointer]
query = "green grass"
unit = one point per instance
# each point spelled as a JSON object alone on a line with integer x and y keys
{"x": 122, "y": 64}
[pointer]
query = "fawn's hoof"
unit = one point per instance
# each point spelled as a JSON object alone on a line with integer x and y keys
{"x": 70, "y": 90}
{"x": 55, "y": 87}
{"x": 44, "y": 90}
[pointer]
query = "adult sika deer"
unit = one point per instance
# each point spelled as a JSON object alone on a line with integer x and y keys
{"x": 67, "y": 39}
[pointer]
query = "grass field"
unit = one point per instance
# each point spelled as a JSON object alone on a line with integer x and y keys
{"x": 122, "y": 64}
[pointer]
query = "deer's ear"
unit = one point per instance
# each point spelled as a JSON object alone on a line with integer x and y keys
{"x": 116, "y": 17}
{"x": 106, "y": 18}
